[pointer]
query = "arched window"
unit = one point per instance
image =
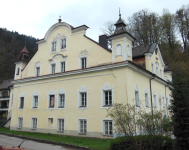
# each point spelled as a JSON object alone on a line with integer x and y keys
{"x": 18, "y": 70}
{"x": 118, "y": 50}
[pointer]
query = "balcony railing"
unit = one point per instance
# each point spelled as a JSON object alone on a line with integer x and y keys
{"x": 4, "y": 107}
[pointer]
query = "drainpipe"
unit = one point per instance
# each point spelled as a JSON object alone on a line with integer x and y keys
{"x": 151, "y": 92}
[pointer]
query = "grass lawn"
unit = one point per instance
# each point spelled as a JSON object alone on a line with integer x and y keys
{"x": 97, "y": 144}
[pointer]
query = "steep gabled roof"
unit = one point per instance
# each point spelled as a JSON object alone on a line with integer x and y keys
{"x": 143, "y": 49}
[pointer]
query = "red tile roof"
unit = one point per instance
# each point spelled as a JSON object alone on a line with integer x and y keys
{"x": 24, "y": 50}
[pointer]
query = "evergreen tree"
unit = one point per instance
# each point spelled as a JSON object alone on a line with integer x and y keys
{"x": 180, "y": 106}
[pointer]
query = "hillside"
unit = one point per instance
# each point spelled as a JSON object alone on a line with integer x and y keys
{"x": 11, "y": 43}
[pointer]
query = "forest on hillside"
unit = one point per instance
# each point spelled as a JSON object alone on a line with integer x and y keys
{"x": 11, "y": 44}
{"x": 169, "y": 30}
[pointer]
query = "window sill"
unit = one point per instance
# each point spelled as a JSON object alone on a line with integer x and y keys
{"x": 33, "y": 129}
{"x": 60, "y": 131}
{"x": 82, "y": 106}
{"x": 61, "y": 107}
{"x": 19, "y": 128}
{"x": 107, "y": 135}
{"x": 107, "y": 106}
{"x": 34, "y": 107}
{"x": 82, "y": 133}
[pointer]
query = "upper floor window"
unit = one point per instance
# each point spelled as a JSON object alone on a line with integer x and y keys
{"x": 53, "y": 68}
{"x": 18, "y": 71}
{"x": 152, "y": 68}
{"x": 163, "y": 102}
{"x": 61, "y": 101}
{"x": 155, "y": 101}
{"x": 83, "y": 99}
{"x": 167, "y": 103}
{"x": 157, "y": 69}
{"x": 118, "y": 50}
{"x": 53, "y": 46}
{"x": 83, "y": 63}
{"x": 137, "y": 99}
{"x": 35, "y": 102}
{"x": 62, "y": 66}
{"x": 108, "y": 98}
{"x": 170, "y": 77}
{"x": 63, "y": 43}
{"x": 51, "y": 101}
{"x": 37, "y": 71}
{"x": 146, "y": 100}
{"x": 161, "y": 74}
{"x": 166, "y": 78}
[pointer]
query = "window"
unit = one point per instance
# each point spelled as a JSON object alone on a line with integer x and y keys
{"x": 155, "y": 103}
{"x": 167, "y": 103}
{"x": 61, "y": 101}
{"x": 62, "y": 66}
{"x": 161, "y": 74}
{"x": 157, "y": 69}
{"x": 137, "y": 99}
{"x": 152, "y": 68}
{"x": 21, "y": 103}
{"x": 146, "y": 100}
{"x": 170, "y": 77}
{"x": 83, "y": 63}
{"x": 60, "y": 126}
{"x": 118, "y": 50}
{"x": 34, "y": 123}
{"x": 166, "y": 78}
{"x": 35, "y": 102}
{"x": 82, "y": 126}
{"x": 108, "y": 98}
{"x": 63, "y": 45}
{"x": 18, "y": 70}
{"x": 83, "y": 99}
{"x": 108, "y": 127}
{"x": 20, "y": 123}
{"x": 163, "y": 102}
{"x": 128, "y": 48}
{"x": 37, "y": 71}
{"x": 53, "y": 46}
{"x": 51, "y": 101}
{"x": 53, "y": 68}
{"x": 12, "y": 100}
{"x": 50, "y": 122}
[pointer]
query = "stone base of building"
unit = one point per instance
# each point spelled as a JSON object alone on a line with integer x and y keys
{"x": 66, "y": 132}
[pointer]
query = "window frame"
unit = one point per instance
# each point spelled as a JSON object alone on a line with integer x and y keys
{"x": 53, "y": 46}
{"x": 80, "y": 62}
{"x": 18, "y": 71}
{"x": 20, "y": 103}
{"x": 38, "y": 71}
{"x": 61, "y": 92}
{"x": 121, "y": 54}
{"x": 157, "y": 69}
{"x": 163, "y": 98}
{"x": 60, "y": 65}
{"x": 161, "y": 74}
{"x": 147, "y": 104}
{"x": 106, "y": 87}
{"x": 53, "y": 64}
{"x": 32, "y": 123}
{"x": 61, "y": 43}
{"x": 137, "y": 90}
{"x": 52, "y": 92}
{"x": 103, "y": 126}
{"x": 48, "y": 122}
{"x": 33, "y": 100}
{"x": 83, "y": 89}
{"x": 18, "y": 123}
{"x": 155, "y": 99}
{"x": 167, "y": 102}
{"x": 82, "y": 119}
{"x": 152, "y": 66}
{"x": 57, "y": 127}
{"x": 85, "y": 63}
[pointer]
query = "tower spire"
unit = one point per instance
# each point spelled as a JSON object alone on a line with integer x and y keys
{"x": 119, "y": 13}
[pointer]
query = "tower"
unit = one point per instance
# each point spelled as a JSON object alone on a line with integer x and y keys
{"x": 21, "y": 62}
{"x": 121, "y": 42}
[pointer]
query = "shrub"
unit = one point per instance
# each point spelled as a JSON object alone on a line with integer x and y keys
{"x": 158, "y": 142}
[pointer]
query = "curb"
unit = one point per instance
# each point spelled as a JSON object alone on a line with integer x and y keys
{"x": 46, "y": 141}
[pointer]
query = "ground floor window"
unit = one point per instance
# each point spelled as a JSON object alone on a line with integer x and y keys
{"x": 108, "y": 127}
{"x": 34, "y": 123}
{"x": 83, "y": 126}
{"x": 61, "y": 125}
{"x": 20, "y": 123}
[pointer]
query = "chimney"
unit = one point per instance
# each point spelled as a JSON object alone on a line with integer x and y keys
{"x": 103, "y": 41}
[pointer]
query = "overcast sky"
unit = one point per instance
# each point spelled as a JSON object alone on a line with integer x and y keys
{"x": 35, "y": 17}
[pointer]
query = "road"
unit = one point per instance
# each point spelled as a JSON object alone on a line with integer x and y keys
{"x": 32, "y": 145}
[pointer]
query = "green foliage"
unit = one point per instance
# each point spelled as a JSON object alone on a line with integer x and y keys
{"x": 144, "y": 142}
{"x": 8, "y": 50}
{"x": 180, "y": 106}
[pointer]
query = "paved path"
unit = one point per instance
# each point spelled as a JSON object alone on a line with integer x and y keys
{"x": 32, "y": 145}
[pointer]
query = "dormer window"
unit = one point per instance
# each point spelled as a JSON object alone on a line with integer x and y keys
{"x": 63, "y": 44}
{"x": 37, "y": 71}
{"x": 18, "y": 70}
{"x": 53, "y": 46}
{"x": 53, "y": 68}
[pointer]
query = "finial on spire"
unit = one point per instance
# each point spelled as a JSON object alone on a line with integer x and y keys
{"x": 119, "y": 13}
{"x": 59, "y": 20}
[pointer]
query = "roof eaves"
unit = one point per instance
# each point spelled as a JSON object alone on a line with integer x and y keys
{"x": 97, "y": 43}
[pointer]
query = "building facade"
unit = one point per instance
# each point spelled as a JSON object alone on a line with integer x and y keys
{"x": 72, "y": 81}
